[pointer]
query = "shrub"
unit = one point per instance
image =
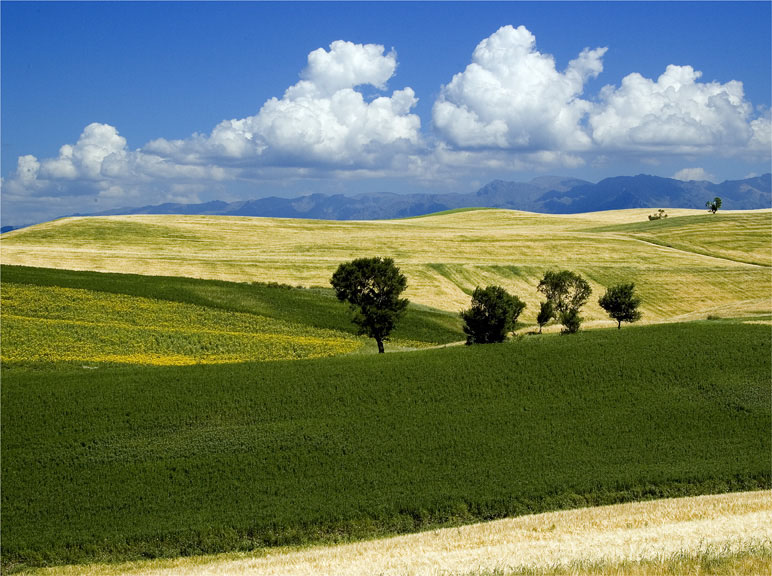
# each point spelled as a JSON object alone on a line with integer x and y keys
{"x": 714, "y": 206}
{"x": 571, "y": 321}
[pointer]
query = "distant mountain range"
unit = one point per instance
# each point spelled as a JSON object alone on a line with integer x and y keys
{"x": 546, "y": 194}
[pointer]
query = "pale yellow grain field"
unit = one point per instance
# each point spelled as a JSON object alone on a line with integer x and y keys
{"x": 684, "y": 268}
{"x": 626, "y": 535}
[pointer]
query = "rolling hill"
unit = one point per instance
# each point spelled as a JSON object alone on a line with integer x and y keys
{"x": 711, "y": 534}
{"x": 223, "y": 441}
{"x": 130, "y": 462}
{"x": 689, "y": 265}
{"x": 52, "y": 317}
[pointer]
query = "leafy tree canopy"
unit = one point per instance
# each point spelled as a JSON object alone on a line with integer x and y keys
{"x": 372, "y": 287}
{"x": 621, "y": 303}
{"x": 493, "y": 315}
{"x": 571, "y": 321}
{"x": 566, "y": 290}
{"x": 546, "y": 313}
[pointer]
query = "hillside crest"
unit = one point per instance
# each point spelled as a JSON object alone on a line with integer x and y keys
{"x": 545, "y": 194}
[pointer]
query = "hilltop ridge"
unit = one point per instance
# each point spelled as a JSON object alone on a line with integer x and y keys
{"x": 545, "y": 194}
{"x": 444, "y": 256}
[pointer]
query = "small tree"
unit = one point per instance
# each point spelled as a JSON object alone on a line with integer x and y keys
{"x": 713, "y": 206}
{"x": 621, "y": 303}
{"x": 546, "y": 313}
{"x": 372, "y": 287}
{"x": 493, "y": 315}
{"x": 565, "y": 289}
{"x": 567, "y": 292}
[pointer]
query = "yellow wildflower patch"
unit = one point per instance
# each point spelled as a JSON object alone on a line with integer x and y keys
{"x": 53, "y": 324}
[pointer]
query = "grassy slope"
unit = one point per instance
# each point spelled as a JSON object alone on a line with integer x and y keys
{"x": 50, "y": 324}
{"x": 189, "y": 310}
{"x": 125, "y": 462}
{"x": 723, "y": 259}
{"x": 744, "y": 237}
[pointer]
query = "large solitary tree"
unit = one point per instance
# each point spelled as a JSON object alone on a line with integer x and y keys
{"x": 568, "y": 292}
{"x": 372, "y": 287}
{"x": 493, "y": 315}
{"x": 621, "y": 303}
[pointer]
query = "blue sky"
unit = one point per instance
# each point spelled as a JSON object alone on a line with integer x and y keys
{"x": 108, "y": 104}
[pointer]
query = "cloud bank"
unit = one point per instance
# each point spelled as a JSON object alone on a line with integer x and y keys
{"x": 512, "y": 97}
{"x": 511, "y": 108}
{"x": 675, "y": 114}
{"x": 320, "y": 121}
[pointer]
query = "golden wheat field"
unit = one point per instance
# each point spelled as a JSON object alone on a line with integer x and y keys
{"x": 637, "y": 538}
{"x": 688, "y": 266}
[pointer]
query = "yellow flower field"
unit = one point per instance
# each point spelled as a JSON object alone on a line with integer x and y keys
{"x": 53, "y": 324}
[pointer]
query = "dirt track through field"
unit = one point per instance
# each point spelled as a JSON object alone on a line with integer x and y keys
{"x": 631, "y": 532}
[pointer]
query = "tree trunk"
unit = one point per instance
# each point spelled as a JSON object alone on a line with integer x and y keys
{"x": 619, "y": 324}
{"x": 380, "y": 345}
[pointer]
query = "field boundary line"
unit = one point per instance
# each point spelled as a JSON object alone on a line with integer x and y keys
{"x": 694, "y": 252}
{"x": 631, "y": 532}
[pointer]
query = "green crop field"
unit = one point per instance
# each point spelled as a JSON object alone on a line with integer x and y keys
{"x": 723, "y": 259}
{"x": 131, "y": 462}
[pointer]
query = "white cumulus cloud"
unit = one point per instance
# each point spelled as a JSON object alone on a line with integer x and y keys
{"x": 674, "y": 114}
{"x": 512, "y": 96}
{"x": 86, "y": 158}
{"x": 347, "y": 65}
{"x": 99, "y": 163}
{"x": 509, "y": 110}
{"x": 761, "y": 141}
{"x": 321, "y": 120}
{"x": 322, "y": 126}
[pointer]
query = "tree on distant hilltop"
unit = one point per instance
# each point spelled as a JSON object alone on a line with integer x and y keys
{"x": 372, "y": 287}
{"x": 567, "y": 292}
{"x": 713, "y": 206}
{"x": 546, "y": 313}
{"x": 493, "y": 315}
{"x": 621, "y": 303}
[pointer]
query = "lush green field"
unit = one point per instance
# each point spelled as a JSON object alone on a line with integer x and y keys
{"x": 688, "y": 266}
{"x": 53, "y": 316}
{"x": 130, "y": 462}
